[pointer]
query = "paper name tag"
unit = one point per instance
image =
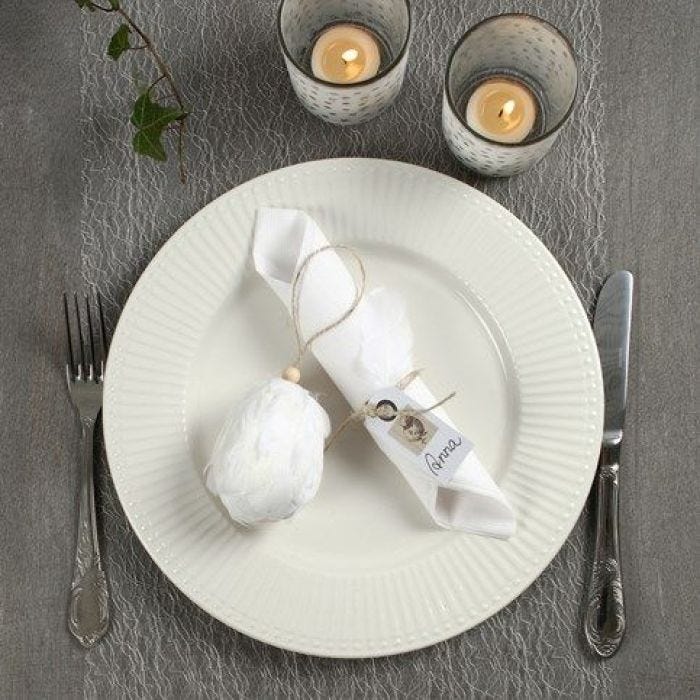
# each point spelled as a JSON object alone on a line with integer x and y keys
{"x": 430, "y": 444}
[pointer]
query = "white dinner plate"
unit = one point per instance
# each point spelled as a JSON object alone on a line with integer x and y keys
{"x": 360, "y": 571}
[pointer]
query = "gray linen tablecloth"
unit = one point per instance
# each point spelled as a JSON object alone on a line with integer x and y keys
{"x": 245, "y": 122}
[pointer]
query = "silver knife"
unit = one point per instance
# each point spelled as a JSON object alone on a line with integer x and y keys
{"x": 604, "y": 622}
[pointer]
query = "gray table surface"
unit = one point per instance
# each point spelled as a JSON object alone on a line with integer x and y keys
{"x": 649, "y": 76}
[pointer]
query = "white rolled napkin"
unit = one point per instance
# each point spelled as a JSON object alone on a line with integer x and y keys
{"x": 370, "y": 351}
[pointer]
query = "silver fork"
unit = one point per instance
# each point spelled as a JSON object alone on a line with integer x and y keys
{"x": 88, "y": 616}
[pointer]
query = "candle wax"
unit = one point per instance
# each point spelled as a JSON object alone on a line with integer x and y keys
{"x": 502, "y": 109}
{"x": 345, "y": 53}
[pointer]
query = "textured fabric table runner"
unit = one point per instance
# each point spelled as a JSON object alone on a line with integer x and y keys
{"x": 245, "y": 122}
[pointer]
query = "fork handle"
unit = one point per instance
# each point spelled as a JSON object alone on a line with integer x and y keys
{"x": 88, "y": 617}
{"x": 604, "y": 622}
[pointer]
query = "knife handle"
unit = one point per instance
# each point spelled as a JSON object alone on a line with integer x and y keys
{"x": 604, "y": 623}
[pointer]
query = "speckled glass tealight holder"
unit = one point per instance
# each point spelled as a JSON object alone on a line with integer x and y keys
{"x": 526, "y": 49}
{"x": 299, "y": 24}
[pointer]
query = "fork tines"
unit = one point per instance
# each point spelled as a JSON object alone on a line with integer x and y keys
{"x": 91, "y": 346}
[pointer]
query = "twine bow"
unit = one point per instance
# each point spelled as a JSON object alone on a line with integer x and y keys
{"x": 385, "y": 410}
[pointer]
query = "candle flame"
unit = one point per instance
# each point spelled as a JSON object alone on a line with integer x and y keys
{"x": 350, "y": 55}
{"x": 507, "y": 108}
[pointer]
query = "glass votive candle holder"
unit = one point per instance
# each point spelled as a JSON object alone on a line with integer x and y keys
{"x": 510, "y": 86}
{"x": 346, "y": 58}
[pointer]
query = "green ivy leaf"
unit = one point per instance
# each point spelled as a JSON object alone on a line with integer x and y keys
{"x": 114, "y": 4}
{"x": 119, "y": 42}
{"x": 147, "y": 142}
{"x": 150, "y": 120}
{"x": 82, "y": 4}
{"x": 149, "y": 114}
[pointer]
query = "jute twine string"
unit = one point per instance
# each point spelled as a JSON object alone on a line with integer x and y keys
{"x": 303, "y": 346}
{"x": 368, "y": 410}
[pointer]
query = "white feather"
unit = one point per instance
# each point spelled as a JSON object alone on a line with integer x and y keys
{"x": 386, "y": 347}
{"x": 268, "y": 458}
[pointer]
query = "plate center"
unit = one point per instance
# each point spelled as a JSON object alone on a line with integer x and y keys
{"x": 365, "y": 514}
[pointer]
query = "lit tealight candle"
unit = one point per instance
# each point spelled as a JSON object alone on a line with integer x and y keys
{"x": 345, "y": 53}
{"x": 503, "y": 110}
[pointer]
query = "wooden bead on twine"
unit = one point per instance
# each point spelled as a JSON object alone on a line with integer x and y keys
{"x": 292, "y": 374}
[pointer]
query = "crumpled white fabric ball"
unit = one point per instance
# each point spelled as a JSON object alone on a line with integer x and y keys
{"x": 268, "y": 458}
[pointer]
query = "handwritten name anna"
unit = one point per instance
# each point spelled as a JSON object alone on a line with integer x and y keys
{"x": 435, "y": 464}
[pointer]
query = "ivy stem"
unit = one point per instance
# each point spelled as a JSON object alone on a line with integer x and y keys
{"x": 155, "y": 82}
{"x": 180, "y": 147}
{"x": 165, "y": 71}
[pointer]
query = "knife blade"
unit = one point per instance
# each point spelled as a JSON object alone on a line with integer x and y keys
{"x": 611, "y": 326}
{"x": 604, "y": 622}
